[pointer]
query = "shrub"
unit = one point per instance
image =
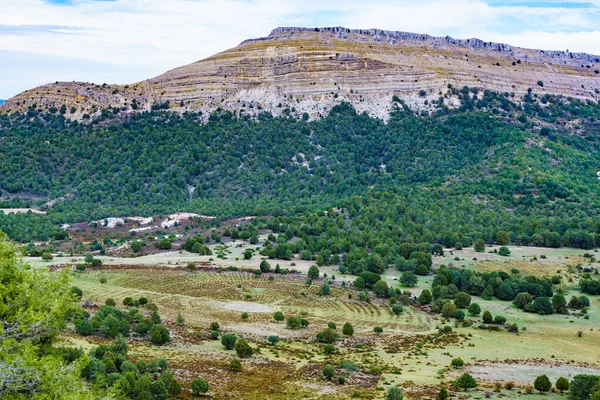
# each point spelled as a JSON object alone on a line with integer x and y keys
{"x": 562, "y": 384}
{"x": 328, "y": 372}
{"x": 159, "y": 334}
{"x": 273, "y": 339}
{"x": 199, "y": 386}
{"x": 462, "y": 300}
{"x": 110, "y": 302}
{"x": 228, "y": 341}
{"x": 542, "y": 384}
{"x": 278, "y": 316}
{"x": 397, "y": 309}
{"x": 329, "y": 349}
{"x": 341, "y": 380}
{"x": 458, "y": 363}
{"x": 395, "y": 393}
{"x": 466, "y": 382}
{"x": 487, "y": 317}
{"x": 327, "y": 335}
{"x": 243, "y": 349}
{"x": 504, "y": 251}
{"x": 348, "y": 330}
{"x": 474, "y": 309}
{"x": 235, "y": 365}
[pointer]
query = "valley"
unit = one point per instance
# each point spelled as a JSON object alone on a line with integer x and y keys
{"x": 319, "y": 213}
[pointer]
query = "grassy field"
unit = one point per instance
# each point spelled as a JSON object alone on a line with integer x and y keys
{"x": 410, "y": 352}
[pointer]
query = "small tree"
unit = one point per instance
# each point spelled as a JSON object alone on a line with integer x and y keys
{"x": 228, "y": 341}
{"x": 462, "y": 300}
{"x": 395, "y": 393}
{"x": 278, "y": 316}
{"x": 110, "y": 302}
{"x": 474, "y": 309}
{"x": 47, "y": 256}
{"x": 562, "y": 384}
{"x": 542, "y": 384}
{"x": 245, "y": 316}
{"x": 243, "y": 349}
{"x": 378, "y": 330}
{"x": 88, "y": 258}
{"x": 425, "y": 297}
{"x": 235, "y": 365}
{"x": 442, "y": 394}
{"x": 214, "y": 326}
{"x": 199, "y": 386}
{"x": 466, "y": 382}
{"x": 504, "y": 251}
{"x": 347, "y": 329}
{"x": 329, "y": 372}
{"x": 487, "y": 317}
{"x": 313, "y": 272}
{"x": 103, "y": 280}
{"x": 458, "y": 362}
{"x": 479, "y": 246}
{"x": 448, "y": 310}
{"x": 180, "y": 319}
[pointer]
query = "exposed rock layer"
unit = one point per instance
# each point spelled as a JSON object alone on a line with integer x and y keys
{"x": 311, "y": 69}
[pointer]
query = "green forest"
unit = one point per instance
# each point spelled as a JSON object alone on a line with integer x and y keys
{"x": 451, "y": 176}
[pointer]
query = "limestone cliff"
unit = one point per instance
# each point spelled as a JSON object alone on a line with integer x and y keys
{"x": 309, "y": 70}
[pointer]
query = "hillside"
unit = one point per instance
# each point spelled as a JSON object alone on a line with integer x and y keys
{"x": 309, "y": 70}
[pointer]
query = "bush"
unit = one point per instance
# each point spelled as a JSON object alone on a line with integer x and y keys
{"x": 474, "y": 309}
{"x": 542, "y": 384}
{"x": 395, "y": 393}
{"x": 466, "y": 382}
{"x": 329, "y": 349}
{"x": 341, "y": 380}
{"x": 243, "y": 349}
{"x": 110, "y": 302}
{"x": 84, "y": 327}
{"x": 76, "y": 292}
{"x": 328, "y": 372}
{"x": 159, "y": 334}
{"x": 458, "y": 363}
{"x": 273, "y": 339}
{"x": 199, "y": 386}
{"x": 562, "y": 384}
{"x": 228, "y": 341}
{"x": 504, "y": 251}
{"x": 235, "y": 365}
{"x": 327, "y": 335}
{"x": 397, "y": 309}
{"x": 348, "y": 330}
{"x": 47, "y": 256}
{"x": 278, "y": 316}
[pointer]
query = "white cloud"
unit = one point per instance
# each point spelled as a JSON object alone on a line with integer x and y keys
{"x": 142, "y": 37}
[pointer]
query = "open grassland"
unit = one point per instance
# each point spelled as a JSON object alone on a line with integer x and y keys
{"x": 410, "y": 352}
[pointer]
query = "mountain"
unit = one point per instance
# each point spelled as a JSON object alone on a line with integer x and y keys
{"x": 309, "y": 70}
{"x": 515, "y": 150}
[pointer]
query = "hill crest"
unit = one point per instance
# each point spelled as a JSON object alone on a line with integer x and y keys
{"x": 309, "y": 70}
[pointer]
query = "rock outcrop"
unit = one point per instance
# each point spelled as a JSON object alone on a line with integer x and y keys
{"x": 309, "y": 70}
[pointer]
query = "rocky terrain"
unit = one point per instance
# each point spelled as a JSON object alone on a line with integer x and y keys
{"x": 309, "y": 70}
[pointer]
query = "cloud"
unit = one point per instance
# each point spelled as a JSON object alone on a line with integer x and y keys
{"x": 138, "y": 39}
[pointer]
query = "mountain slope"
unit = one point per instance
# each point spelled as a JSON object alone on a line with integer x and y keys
{"x": 309, "y": 70}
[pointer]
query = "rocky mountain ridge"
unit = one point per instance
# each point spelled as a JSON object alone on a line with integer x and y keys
{"x": 309, "y": 70}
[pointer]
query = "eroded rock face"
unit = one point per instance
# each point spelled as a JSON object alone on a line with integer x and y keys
{"x": 309, "y": 70}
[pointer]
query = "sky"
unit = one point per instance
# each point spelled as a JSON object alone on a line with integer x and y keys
{"x": 126, "y": 41}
